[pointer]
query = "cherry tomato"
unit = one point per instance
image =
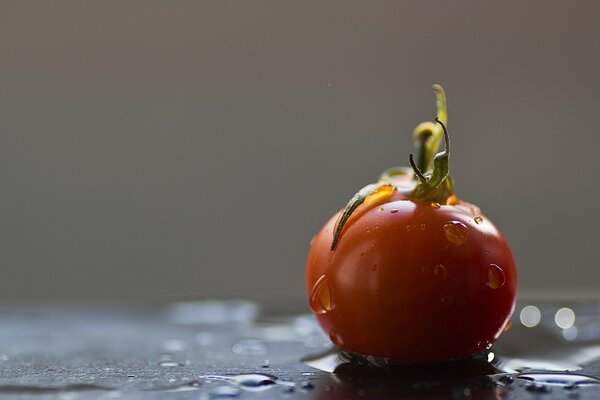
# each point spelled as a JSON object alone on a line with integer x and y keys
{"x": 412, "y": 275}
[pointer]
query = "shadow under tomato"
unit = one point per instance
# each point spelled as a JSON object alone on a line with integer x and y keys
{"x": 355, "y": 377}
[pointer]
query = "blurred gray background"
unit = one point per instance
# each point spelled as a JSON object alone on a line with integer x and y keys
{"x": 157, "y": 151}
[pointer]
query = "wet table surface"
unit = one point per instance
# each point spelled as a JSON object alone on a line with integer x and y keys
{"x": 220, "y": 350}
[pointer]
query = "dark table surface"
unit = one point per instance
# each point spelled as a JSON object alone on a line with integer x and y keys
{"x": 217, "y": 350}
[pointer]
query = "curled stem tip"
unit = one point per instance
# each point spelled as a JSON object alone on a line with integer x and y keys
{"x": 418, "y": 172}
{"x": 428, "y": 135}
{"x": 446, "y": 136}
{"x": 435, "y": 184}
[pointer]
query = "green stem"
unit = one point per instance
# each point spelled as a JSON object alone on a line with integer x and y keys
{"x": 436, "y": 185}
{"x": 427, "y": 135}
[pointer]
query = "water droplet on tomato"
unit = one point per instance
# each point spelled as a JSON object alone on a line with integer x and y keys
{"x": 393, "y": 210}
{"x": 495, "y": 275}
{"x": 478, "y": 220}
{"x": 376, "y": 226}
{"x": 456, "y": 232}
{"x": 368, "y": 231}
{"x": 435, "y": 205}
{"x": 408, "y": 228}
{"x": 440, "y": 272}
{"x": 320, "y": 296}
{"x": 423, "y": 227}
{"x": 379, "y": 209}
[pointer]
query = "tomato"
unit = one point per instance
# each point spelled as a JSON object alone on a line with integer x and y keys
{"x": 411, "y": 276}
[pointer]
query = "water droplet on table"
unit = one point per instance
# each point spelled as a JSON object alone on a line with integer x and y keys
{"x": 558, "y": 379}
{"x": 170, "y": 364}
{"x": 250, "y": 347}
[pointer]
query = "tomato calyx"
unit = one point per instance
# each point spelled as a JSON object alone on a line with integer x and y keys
{"x": 374, "y": 194}
{"x": 426, "y": 180}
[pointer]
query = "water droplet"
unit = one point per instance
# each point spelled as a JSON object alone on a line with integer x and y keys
{"x": 336, "y": 338}
{"x": 423, "y": 227}
{"x": 393, "y": 210}
{"x": 250, "y": 347}
{"x": 478, "y": 220}
{"x": 320, "y": 297}
{"x": 408, "y": 228}
{"x": 504, "y": 379}
{"x": 558, "y": 379}
{"x": 440, "y": 272}
{"x": 253, "y": 380}
{"x": 456, "y": 232}
{"x": 376, "y": 227}
{"x": 248, "y": 382}
{"x": 435, "y": 205}
{"x": 170, "y": 364}
{"x": 495, "y": 276}
{"x": 265, "y": 364}
{"x": 379, "y": 209}
{"x": 306, "y": 385}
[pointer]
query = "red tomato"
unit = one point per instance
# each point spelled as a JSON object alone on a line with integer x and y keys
{"x": 411, "y": 280}
{"x": 413, "y": 283}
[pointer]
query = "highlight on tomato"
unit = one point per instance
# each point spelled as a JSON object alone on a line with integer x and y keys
{"x": 407, "y": 272}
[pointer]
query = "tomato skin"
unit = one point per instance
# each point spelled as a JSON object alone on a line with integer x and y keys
{"x": 413, "y": 282}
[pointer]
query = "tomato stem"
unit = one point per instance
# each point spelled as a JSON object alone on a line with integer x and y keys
{"x": 427, "y": 135}
{"x": 415, "y": 168}
{"x": 436, "y": 185}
